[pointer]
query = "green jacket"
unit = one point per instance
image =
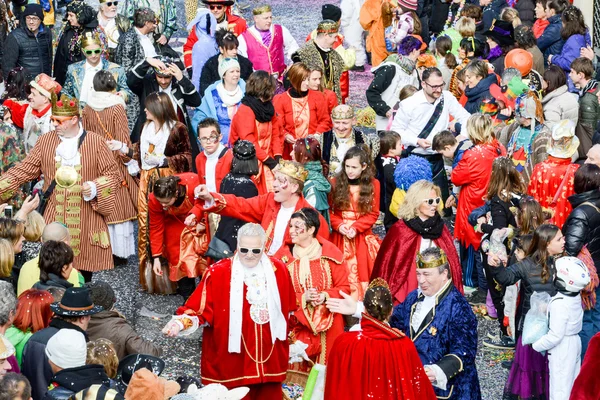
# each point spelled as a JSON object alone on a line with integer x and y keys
{"x": 18, "y": 339}
{"x": 589, "y": 109}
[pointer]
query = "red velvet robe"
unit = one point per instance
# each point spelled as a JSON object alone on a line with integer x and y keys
{"x": 261, "y": 209}
{"x": 379, "y": 363}
{"x": 210, "y": 303}
{"x": 546, "y": 179}
{"x": 222, "y": 169}
{"x": 170, "y": 239}
{"x": 587, "y": 384}
{"x": 397, "y": 259}
{"x": 316, "y": 326}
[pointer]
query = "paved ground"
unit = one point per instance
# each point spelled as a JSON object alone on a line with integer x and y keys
{"x": 183, "y": 355}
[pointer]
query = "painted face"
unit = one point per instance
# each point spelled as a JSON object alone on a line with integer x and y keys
{"x": 430, "y": 280}
{"x": 314, "y": 80}
{"x": 209, "y": 139}
{"x": 429, "y": 205}
{"x": 92, "y": 54}
{"x": 37, "y": 101}
{"x": 353, "y": 168}
{"x": 62, "y": 124}
{"x": 250, "y": 250}
{"x": 283, "y": 189}
{"x": 232, "y": 76}
{"x": 299, "y": 232}
{"x": 557, "y": 244}
{"x": 263, "y": 21}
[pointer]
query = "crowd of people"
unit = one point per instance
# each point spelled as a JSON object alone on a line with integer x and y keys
{"x": 237, "y": 176}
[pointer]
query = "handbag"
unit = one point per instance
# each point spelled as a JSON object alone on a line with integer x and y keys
{"x": 218, "y": 249}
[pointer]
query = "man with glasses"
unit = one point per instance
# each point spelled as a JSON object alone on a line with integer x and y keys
{"x": 222, "y": 11}
{"x": 243, "y": 303}
{"x": 30, "y": 45}
{"x": 166, "y": 13}
{"x": 424, "y": 114}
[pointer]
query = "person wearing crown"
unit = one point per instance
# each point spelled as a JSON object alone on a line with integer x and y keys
{"x": 81, "y": 179}
{"x": 243, "y": 303}
{"x": 266, "y": 44}
{"x": 272, "y": 210}
{"x": 336, "y": 142}
{"x": 318, "y": 53}
{"x": 441, "y": 324}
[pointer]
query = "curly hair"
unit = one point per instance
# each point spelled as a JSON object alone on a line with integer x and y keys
{"x": 341, "y": 189}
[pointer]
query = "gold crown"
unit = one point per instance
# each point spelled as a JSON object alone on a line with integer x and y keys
{"x": 261, "y": 9}
{"x": 65, "y": 106}
{"x": 90, "y": 38}
{"x": 378, "y": 282}
{"x": 422, "y": 264}
{"x": 327, "y": 26}
{"x": 293, "y": 170}
{"x": 342, "y": 112}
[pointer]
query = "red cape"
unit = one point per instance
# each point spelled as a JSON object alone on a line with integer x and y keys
{"x": 398, "y": 254}
{"x": 587, "y": 384}
{"x": 379, "y": 363}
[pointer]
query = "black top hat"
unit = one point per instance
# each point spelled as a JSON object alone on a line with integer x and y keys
{"x": 332, "y": 12}
{"x": 134, "y": 362}
{"x": 501, "y": 32}
{"x": 225, "y": 3}
{"x": 76, "y": 302}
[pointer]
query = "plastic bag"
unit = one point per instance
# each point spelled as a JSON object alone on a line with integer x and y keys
{"x": 315, "y": 386}
{"x": 536, "y": 320}
{"x": 497, "y": 247}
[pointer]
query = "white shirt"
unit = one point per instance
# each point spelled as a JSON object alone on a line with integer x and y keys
{"x": 283, "y": 219}
{"x": 289, "y": 43}
{"x": 87, "y": 86}
{"x": 168, "y": 91}
{"x": 67, "y": 154}
{"x": 342, "y": 148}
{"x": 146, "y": 43}
{"x": 110, "y": 30}
{"x": 415, "y": 112}
{"x": 211, "y": 167}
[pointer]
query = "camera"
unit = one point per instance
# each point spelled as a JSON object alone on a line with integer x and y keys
{"x": 8, "y": 212}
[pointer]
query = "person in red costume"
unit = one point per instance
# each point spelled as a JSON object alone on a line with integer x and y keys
{"x": 551, "y": 181}
{"x": 587, "y": 384}
{"x": 315, "y": 83}
{"x": 214, "y": 161}
{"x": 419, "y": 227}
{"x": 221, "y": 9}
{"x": 318, "y": 273}
{"x": 272, "y": 210}
{"x": 243, "y": 303}
{"x": 303, "y": 112}
{"x": 380, "y": 347}
{"x": 168, "y": 206}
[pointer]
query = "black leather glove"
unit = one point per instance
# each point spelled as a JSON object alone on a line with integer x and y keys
{"x": 270, "y": 162}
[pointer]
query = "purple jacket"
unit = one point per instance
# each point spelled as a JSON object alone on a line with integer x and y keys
{"x": 570, "y": 51}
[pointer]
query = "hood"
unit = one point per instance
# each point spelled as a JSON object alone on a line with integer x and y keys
{"x": 482, "y": 87}
{"x": 593, "y": 196}
{"x": 204, "y": 22}
{"x": 403, "y": 62}
{"x": 555, "y": 93}
{"x": 80, "y": 378}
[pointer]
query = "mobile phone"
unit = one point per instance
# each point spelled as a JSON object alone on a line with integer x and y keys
{"x": 8, "y": 212}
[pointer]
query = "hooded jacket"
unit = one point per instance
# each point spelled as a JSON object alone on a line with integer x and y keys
{"x": 71, "y": 380}
{"x": 560, "y": 104}
{"x": 582, "y": 227}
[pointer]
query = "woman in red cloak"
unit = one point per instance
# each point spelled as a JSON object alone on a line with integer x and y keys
{"x": 420, "y": 227}
{"x": 168, "y": 206}
{"x": 379, "y": 363}
{"x": 318, "y": 272}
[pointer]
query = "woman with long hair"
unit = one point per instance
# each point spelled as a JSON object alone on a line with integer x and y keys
{"x": 529, "y": 375}
{"x": 303, "y": 112}
{"x": 13, "y": 231}
{"x": 16, "y": 85}
{"x": 531, "y": 215}
{"x": 470, "y": 48}
{"x": 576, "y": 35}
{"x": 164, "y": 150}
{"x": 446, "y": 60}
{"x": 7, "y": 260}
{"x": 354, "y": 209}
{"x": 307, "y": 152}
{"x": 33, "y": 314}
{"x": 105, "y": 115}
{"x": 420, "y": 227}
{"x": 558, "y": 102}
{"x": 257, "y": 122}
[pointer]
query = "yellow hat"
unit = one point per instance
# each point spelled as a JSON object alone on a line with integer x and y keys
{"x": 422, "y": 264}
{"x": 293, "y": 170}
{"x": 65, "y": 106}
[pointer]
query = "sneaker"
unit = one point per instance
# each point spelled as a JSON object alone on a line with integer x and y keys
{"x": 490, "y": 335}
{"x": 501, "y": 342}
{"x": 477, "y": 299}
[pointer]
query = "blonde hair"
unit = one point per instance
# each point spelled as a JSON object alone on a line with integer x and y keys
{"x": 7, "y": 258}
{"x": 34, "y": 227}
{"x": 480, "y": 128}
{"x": 102, "y": 351}
{"x": 466, "y": 27}
{"x": 511, "y": 15}
{"x": 416, "y": 194}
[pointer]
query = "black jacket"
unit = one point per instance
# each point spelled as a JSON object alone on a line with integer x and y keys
{"x": 53, "y": 281}
{"x": 481, "y": 92}
{"x": 64, "y": 56}
{"x": 526, "y": 9}
{"x": 385, "y": 174}
{"x": 583, "y": 225}
{"x": 210, "y": 71}
{"x": 35, "y": 362}
{"x": 71, "y": 380}
{"x": 492, "y": 12}
{"x": 24, "y": 49}
{"x": 142, "y": 84}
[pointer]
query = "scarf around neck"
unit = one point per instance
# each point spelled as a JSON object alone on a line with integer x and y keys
{"x": 99, "y": 101}
{"x": 263, "y": 111}
{"x": 315, "y": 175}
{"x": 229, "y": 98}
{"x": 431, "y": 228}
{"x": 591, "y": 86}
{"x": 305, "y": 255}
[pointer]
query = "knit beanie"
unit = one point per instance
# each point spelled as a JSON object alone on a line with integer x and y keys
{"x": 102, "y": 294}
{"x": 67, "y": 349}
{"x": 410, "y": 5}
{"x": 34, "y": 9}
{"x": 226, "y": 64}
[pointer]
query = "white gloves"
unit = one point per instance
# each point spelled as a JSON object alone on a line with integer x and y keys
{"x": 153, "y": 160}
{"x": 115, "y": 145}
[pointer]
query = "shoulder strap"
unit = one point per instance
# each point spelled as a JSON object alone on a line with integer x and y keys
{"x": 591, "y": 205}
{"x": 437, "y": 112}
{"x": 563, "y": 183}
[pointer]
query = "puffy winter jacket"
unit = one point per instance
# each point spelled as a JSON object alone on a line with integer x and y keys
{"x": 551, "y": 42}
{"x": 560, "y": 104}
{"x": 481, "y": 92}
{"x": 583, "y": 225}
{"x": 24, "y": 49}
{"x": 69, "y": 381}
{"x": 571, "y": 50}
{"x": 589, "y": 109}
{"x": 526, "y": 9}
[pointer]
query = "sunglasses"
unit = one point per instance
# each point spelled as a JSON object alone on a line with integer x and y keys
{"x": 432, "y": 201}
{"x": 245, "y": 250}
{"x": 90, "y": 52}
{"x": 216, "y": 7}
{"x": 111, "y": 3}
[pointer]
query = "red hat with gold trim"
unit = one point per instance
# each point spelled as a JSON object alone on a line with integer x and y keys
{"x": 46, "y": 85}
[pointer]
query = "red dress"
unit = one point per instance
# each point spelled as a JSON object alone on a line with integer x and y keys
{"x": 361, "y": 251}
{"x": 379, "y": 363}
{"x": 587, "y": 384}
{"x": 170, "y": 238}
{"x": 267, "y": 138}
{"x": 260, "y": 360}
{"x": 547, "y": 178}
{"x": 316, "y": 326}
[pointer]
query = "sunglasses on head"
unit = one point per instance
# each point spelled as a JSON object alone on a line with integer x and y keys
{"x": 90, "y": 52}
{"x": 245, "y": 250}
{"x": 432, "y": 201}
{"x": 216, "y": 7}
{"x": 111, "y": 3}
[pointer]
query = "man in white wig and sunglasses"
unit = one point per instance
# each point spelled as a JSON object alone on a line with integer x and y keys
{"x": 243, "y": 303}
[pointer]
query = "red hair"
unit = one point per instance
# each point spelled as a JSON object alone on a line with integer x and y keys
{"x": 33, "y": 310}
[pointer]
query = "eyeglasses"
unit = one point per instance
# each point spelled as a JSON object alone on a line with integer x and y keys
{"x": 245, "y": 250}
{"x": 431, "y": 201}
{"x": 216, "y": 7}
{"x": 436, "y": 87}
{"x": 111, "y": 3}
{"x": 210, "y": 139}
{"x": 90, "y": 52}
{"x": 32, "y": 18}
